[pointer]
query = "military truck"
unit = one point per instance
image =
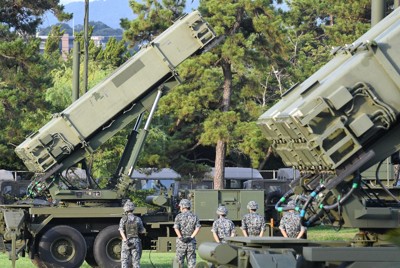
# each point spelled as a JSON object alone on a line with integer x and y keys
{"x": 64, "y": 226}
{"x": 340, "y": 122}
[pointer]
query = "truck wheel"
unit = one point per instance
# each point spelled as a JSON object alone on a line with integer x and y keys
{"x": 62, "y": 246}
{"x": 107, "y": 247}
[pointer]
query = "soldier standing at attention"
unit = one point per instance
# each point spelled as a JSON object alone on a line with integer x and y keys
{"x": 130, "y": 226}
{"x": 253, "y": 224}
{"x": 222, "y": 227}
{"x": 186, "y": 226}
{"x": 290, "y": 224}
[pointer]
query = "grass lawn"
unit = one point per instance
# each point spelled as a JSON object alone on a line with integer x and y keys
{"x": 160, "y": 260}
{"x": 323, "y": 233}
{"x": 164, "y": 260}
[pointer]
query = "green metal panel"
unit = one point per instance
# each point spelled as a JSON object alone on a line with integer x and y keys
{"x": 205, "y": 204}
{"x": 219, "y": 253}
{"x": 231, "y": 200}
{"x": 369, "y": 254}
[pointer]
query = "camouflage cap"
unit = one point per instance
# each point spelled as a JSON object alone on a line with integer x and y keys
{"x": 222, "y": 210}
{"x": 185, "y": 203}
{"x": 129, "y": 206}
{"x": 252, "y": 205}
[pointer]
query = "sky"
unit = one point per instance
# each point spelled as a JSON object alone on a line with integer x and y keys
{"x": 110, "y": 19}
{"x": 64, "y": 2}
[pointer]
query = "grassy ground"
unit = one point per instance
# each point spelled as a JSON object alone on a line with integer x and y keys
{"x": 160, "y": 260}
{"x": 164, "y": 260}
{"x": 323, "y": 233}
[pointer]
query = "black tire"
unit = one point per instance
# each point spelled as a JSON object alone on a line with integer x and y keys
{"x": 107, "y": 247}
{"x": 62, "y": 246}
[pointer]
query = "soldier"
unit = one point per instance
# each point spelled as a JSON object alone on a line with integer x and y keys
{"x": 186, "y": 226}
{"x": 290, "y": 224}
{"x": 130, "y": 226}
{"x": 253, "y": 224}
{"x": 222, "y": 227}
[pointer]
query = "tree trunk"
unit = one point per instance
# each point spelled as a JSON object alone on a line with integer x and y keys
{"x": 219, "y": 174}
{"x": 220, "y": 150}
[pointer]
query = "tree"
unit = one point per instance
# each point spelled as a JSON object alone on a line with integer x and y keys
{"x": 314, "y": 27}
{"x": 23, "y": 74}
{"x": 249, "y": 28}
{"x": 153, "y": 18}
{"x": 52, "y": 44}
{"x": 197, "y": 116}
{"x": 25, "y": 16}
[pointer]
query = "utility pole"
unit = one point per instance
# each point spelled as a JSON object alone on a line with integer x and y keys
{"x": 86, "y": 45}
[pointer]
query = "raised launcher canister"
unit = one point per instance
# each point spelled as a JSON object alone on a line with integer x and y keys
{"x": 346, "y": 113}
{"x": 116, "y": 101}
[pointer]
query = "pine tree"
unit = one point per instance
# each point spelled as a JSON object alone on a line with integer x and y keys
{"x": 315, "y": 27}
{"x": 23, "y": 74}
{"x": 252, "y": 41}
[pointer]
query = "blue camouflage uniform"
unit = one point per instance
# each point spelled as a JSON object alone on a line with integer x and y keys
{"x": 253, "y": 223}
{"x": 223, "y": 227}
{"x": 186, "y": 222}
{"x": 132, "y": 226}
{"x": 290, "y": 222}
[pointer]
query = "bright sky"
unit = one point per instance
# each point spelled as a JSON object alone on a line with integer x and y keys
{"x": 64, "y": 2}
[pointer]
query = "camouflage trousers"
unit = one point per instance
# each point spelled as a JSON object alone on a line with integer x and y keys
{"x": 187, "y": 250}
{"x": 131, "y": 250}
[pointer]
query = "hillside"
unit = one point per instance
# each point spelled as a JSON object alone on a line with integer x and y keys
{"x": 107, "y": 11}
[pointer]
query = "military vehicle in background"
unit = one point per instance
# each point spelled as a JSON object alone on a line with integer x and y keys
{"x": 63, "y": 226}
{"x": 235, "y": 178}
{"x": 336, "y": 125}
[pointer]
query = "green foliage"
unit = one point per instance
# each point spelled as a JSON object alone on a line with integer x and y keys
{"x": 113, "y": 55}
{"x": 314, "y": 27}
{"x": 24, "y": 16}
{"x": 23, "y": 80}
{"x": 201, "y": 105}
{"x": 52, "y": 43}
{"x": 138, "y": 197}
{"x": 153, "y": 18}
{"x": 24, "y": 74}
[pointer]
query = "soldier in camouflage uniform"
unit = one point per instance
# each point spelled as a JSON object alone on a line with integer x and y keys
{"x": 130, "y": 226}
{"x": 222, "y": 227}
{"x": 290, "y": 224}
{"x": 186, "y": 226}
{"x": 253, "y": 224}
